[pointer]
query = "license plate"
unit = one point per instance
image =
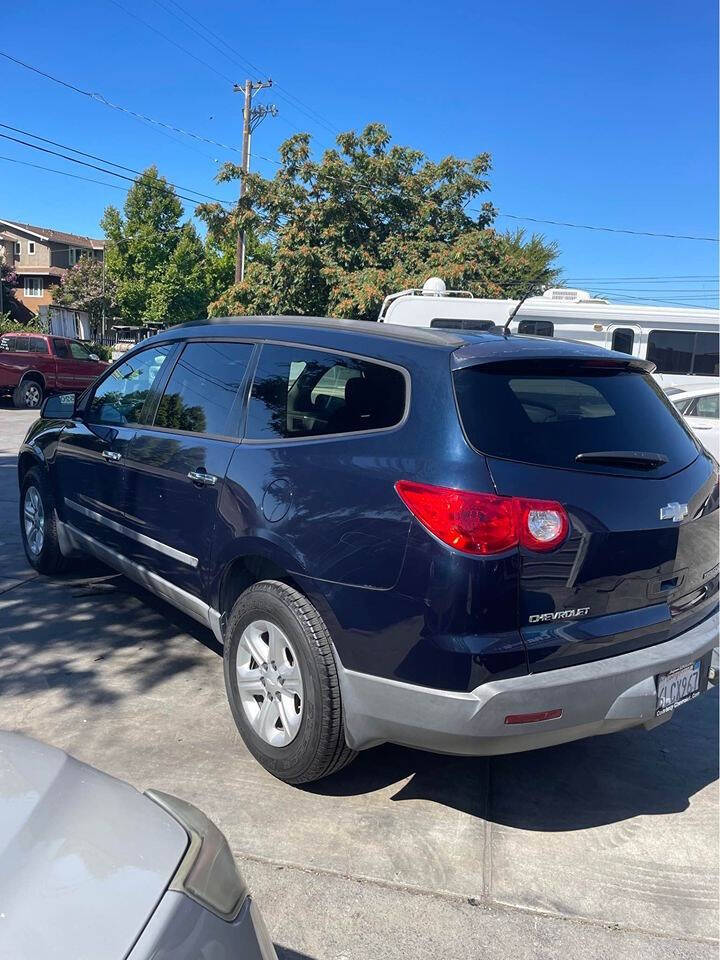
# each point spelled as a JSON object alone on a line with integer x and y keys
{"x": 677, "y": 686}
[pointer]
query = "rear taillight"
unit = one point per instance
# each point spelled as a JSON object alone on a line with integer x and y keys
{"x": 483, "y": 523}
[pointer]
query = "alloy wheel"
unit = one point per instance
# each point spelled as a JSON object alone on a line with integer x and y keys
{"x": 32, "y": 396}
{"x": 34, "y": 519}
{"x": 269, "y": 683}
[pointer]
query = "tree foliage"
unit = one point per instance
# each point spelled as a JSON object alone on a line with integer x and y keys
{"x": 336, "y": 236}
{"x": 154, "y": 260}
{"x": 84, "y": 288}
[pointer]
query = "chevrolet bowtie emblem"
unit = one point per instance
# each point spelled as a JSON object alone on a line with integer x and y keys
{"x": 674, "y": 511}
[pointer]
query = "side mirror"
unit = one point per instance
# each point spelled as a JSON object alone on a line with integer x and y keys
{"x": 95, "y": 357}
{"x": 59, "y": 407}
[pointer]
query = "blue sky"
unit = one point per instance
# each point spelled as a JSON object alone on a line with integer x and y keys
{"x": 594, "y": 113}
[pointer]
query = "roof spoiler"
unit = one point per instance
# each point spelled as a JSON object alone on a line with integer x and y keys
{"x": 462, "y": 358}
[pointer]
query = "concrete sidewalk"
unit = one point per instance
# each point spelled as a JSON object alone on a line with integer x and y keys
{"x": 604, "y": 848}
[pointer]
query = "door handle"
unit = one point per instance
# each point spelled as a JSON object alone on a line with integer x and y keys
{"x": 111, "y": 455}
{"x": 199, "y": 476}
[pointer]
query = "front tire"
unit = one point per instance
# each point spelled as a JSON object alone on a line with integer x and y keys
{"x": 38, "y": 524}
{"x": 282, "y": 684}
{"x": 28, "y": 395}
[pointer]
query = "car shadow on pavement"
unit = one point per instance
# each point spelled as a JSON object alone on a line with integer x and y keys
{"x": 574, "y": 786}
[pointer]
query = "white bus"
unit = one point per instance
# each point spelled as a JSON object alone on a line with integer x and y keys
{"x": 682, "y": 342}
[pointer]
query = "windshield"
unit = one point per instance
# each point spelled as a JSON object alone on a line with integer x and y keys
{"x": 548, "y": 413}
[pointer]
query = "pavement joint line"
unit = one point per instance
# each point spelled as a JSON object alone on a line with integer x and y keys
{"x": 487, "y": 831}
{"x": 20, "y": 583}
{"x": 480, "y": 903}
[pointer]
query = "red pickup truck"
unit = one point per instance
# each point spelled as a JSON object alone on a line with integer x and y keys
{"x": 33, "y": 365}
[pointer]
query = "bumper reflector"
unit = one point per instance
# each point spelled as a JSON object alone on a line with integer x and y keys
{"x": 534, "y": 717}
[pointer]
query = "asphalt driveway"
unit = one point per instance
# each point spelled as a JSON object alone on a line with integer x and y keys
{"x": 604, "y": 848}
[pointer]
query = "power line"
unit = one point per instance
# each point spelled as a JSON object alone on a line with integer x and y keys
{"x": 664, "y": 278}
{"x": 588, "y": 226}
{"x": 187, "y": 52}
{"x": 94, "y": 166}
{"x": 99, "y": 98}
{"x": 286, "y": 95}
{"x": 674, "y": 303}
{"x": 92, "y": 156}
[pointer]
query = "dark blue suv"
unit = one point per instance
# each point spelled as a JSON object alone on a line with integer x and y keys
{"x": 470, "y": 543}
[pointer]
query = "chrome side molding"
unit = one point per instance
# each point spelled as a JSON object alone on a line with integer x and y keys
{"x": 127, "y": 532}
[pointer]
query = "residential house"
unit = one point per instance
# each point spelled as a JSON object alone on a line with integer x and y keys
{"x": 40, "y": 257}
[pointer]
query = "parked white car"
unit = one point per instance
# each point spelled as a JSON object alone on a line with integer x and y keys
{"x": 701, "y": 409}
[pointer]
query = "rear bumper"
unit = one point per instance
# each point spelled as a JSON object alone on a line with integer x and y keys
{"x": 599, "y": 697}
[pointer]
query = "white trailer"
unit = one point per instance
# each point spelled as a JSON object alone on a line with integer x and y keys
{"x": 683, "y": 342}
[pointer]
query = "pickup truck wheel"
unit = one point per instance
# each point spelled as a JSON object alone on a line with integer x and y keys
{"x": 282, "y": 684}
{"x": 38, "y": 524}
{"x": 28, "y": 395}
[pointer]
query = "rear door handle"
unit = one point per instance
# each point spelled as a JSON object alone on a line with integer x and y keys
{"x": 199, "y": 476}
{"x": 111, "y": 455}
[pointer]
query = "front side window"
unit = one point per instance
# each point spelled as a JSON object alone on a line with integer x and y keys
{"x": 307, "y": 393}
{"x": 706, "y": 407}
{"x": 536, "y": 328}
{"x": 120, "y": 398}
{"x": 78, "y": 350}
{"x": 33, "y": 286}
{"x": 623, "y": 339}
{"x": 684, "y": 352}
{"x": 201, "y": 394}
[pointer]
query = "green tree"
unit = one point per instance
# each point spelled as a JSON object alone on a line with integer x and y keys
{"x": 154, "y": 260}
{"x": 368, "y": 219}
{"x": 84, "y": 288}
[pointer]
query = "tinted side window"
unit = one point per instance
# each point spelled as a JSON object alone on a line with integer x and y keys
{"x": 201, "y": 392}
{"x": 671, "y": 350}
{"x": 705, "y": 361}
{"x": 537, "y": 328}
{"x": 623, "y": 340}
{"x": 61, "y": 349}
{"x": 465, "y": 323}
{"x": 22, "y": 344}
{"x": 121, "y": 396}
{"x": 306, "y": 393}
{"x": 37, "y": 345}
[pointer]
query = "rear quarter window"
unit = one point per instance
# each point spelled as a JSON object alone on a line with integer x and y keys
{"x": 299, "y": 392}
{"x": 534, "y": 414}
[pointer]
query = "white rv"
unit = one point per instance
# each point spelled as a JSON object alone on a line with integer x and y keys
{"x": 682, "y": 342}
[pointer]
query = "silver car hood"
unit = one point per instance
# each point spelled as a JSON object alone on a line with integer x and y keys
{"x": 84, "y": 858}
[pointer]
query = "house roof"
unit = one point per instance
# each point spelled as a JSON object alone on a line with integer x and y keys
{"x": 40, "y": 271}
{"x": 57, "y": 236}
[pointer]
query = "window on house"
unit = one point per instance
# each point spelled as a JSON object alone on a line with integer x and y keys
{"x": 75, "y": 254}
{"x": 536, "y": 328}
{"x": 31, "y": 246}
{"x": 33, "y": 286}
{"x": 18, "y": 248}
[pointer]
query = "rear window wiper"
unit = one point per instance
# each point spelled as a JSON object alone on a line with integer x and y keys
{"x": 624, "y": 458}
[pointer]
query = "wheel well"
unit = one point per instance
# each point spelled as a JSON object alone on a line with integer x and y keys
{"x": 33, "y": 375}
{"x": 25, "y": 462}
{"x": 244, "y": 572}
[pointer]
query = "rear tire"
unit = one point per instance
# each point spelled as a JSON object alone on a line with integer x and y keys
{"x": 38, "y": 524}
{"x": 285, "y": 699}
{"x": 28, "y": 395}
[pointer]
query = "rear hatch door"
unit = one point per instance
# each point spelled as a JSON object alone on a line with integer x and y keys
{"x": 639, "y": 565}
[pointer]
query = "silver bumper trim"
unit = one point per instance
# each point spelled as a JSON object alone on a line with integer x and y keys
{"x": 599, "y": 697}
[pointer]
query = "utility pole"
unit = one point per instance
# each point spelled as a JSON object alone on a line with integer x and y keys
{"x": 251, "y": 118}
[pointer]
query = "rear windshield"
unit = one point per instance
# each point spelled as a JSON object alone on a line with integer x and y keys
{"x": 546, "y": 416}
